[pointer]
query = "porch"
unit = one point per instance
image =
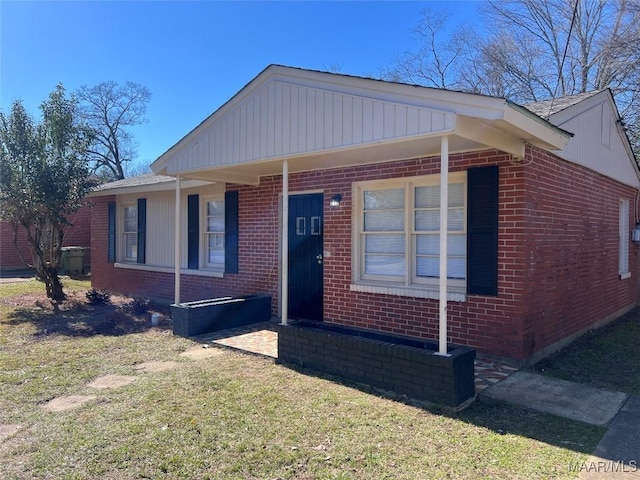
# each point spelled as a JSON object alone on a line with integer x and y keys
{"x": 262, "y": 339}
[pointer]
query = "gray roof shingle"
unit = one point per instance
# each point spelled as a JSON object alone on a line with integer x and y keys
{"x": 546, "y": 108}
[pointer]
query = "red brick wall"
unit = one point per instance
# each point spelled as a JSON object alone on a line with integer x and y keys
{"x": 258, "y": 253}
{"x": 557, "y": 256}
{"x": 77, "y": 235}
{"x": 572, "y": 250}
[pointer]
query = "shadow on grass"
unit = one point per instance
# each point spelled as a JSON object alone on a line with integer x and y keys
{"x": 80, "y": 320}
{"x": 607, "y": 357}
{"x": 499, "y": 418}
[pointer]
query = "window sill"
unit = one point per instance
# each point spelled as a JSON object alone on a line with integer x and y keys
{"x": 453, "y": 294}
{"x": 624, "y": 276}
{"x": 183, "y": 271}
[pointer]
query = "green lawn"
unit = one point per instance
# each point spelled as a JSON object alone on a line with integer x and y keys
{"x": 608, "y": 357}
{"x": 234, "y": 416}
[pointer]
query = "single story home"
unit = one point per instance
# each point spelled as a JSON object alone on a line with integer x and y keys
{"x": 430, "y": 214}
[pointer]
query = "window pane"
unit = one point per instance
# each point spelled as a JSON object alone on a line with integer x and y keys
{"x": 215, "y": 248}
{"x": 215, "y": 224}
{"x": 383, "y": 221}
{"x": 216, "y": 256}
{"x": 130, "y": 245}
{"x": 429, "y": 220}
{"x": 215, "y": 208}
{"x": 430, "y": 244}
{"x": 430, "y": 267}
{"x": 427, "y": 244}
{"x": 429, "y": 197}
{"x": 384, "y": 264}
{"x": 384, "y": 244}
{"x": 456, "y": 195}
{"x": 384, "y": 199}
{"x": 457, "y": 268}
{"x": 427, "y": 266}
{"x": 216, "y": 241}
{"x": 456, "y": 219}
{"x": 130, "y": 219}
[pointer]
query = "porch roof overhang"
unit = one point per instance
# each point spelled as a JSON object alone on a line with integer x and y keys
{"x": 318, "y": 120}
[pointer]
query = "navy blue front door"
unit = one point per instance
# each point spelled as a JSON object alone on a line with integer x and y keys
{"x": 305, "y": 256}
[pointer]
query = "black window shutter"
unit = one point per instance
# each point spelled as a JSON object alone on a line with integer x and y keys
{"x": 111, "y": 236}
{"x": 142, "y": 229}
{"x": 231, "y": 232}
{"x": 193, "y": 231}
{"x": 482, "y": 230}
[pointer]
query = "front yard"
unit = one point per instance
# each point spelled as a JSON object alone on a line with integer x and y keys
{"x": 231, "y": 415}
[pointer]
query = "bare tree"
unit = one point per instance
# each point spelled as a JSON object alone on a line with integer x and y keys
{"x": 111, "y": 110}
{"x": 530, "y": 50}
{"x": 438, "y": 58}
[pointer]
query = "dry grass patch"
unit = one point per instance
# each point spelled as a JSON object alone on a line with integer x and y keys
{"x": 234, "y": 416}
{"x": 607, "y": 357}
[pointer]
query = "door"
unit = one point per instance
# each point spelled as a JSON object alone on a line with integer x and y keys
{"x": 305, "y": 256}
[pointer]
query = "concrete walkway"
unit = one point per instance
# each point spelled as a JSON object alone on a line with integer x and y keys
{"x": 617, "y": 456}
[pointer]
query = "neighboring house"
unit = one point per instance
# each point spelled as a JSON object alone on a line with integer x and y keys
{"x": 13, "y": 257}
{"x": 538, "y": 221}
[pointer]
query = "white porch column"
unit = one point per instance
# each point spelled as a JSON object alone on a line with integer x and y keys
{"x": 444, "y": 229}
{"x": 178, "y": 235}
{"x": 284, "y": 288}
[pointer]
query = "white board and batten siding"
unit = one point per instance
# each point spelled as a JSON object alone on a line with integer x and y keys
{"x": 605, "y": 151}
{"x": 161, "y": 221}
{"x": 284, "y": 120}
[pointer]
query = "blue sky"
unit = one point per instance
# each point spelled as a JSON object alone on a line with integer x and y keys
{"x": 195, "y": 55}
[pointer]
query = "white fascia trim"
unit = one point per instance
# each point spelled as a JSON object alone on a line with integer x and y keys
{"x": 624, "y": 276}
{"x": 453, "y": 295}
{"x": 155, "y": 187}
{"x": 545, "y": 133}
{"x": 184, "y": 271}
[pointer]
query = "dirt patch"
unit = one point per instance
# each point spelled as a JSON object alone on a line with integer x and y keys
{"x": 150, "y": 367}
{"x": 112, "y": 381}
{"x": 69, "y": 402}
{"x": 200, "y": 352}
{"x": 7, "y": 430}
{"x": 76, "y": 317}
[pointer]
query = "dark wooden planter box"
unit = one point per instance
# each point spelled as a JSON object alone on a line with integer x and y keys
{"x": 205, "y": 316}
{"x": 403, "y": 365}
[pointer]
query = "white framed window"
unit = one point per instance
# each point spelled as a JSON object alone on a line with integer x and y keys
{"x": 397, "y": 231}
{"x": 213, "y": 241}
{"x": 130, "y": 233}
{"x": 623, "y": 239}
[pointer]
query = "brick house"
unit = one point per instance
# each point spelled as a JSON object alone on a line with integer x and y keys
{"x": 13, "y": 255}
{"x": 537, "y": 245}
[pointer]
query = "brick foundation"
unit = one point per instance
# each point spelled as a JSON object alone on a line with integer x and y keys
{"x": 401, "y": 365}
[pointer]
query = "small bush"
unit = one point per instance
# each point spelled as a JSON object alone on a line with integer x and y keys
{"x": 98, "y": 297}
{"x": 140, "y": 305}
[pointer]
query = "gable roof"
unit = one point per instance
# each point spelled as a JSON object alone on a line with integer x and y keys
{"x": 324, "y": 120}
{"x": 601, "y": 142}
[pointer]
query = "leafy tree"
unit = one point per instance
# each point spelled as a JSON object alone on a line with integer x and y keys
{"x": 44, "y": 178}
{"x": 110, "y": 110}
{"x": 528, "y": 50}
